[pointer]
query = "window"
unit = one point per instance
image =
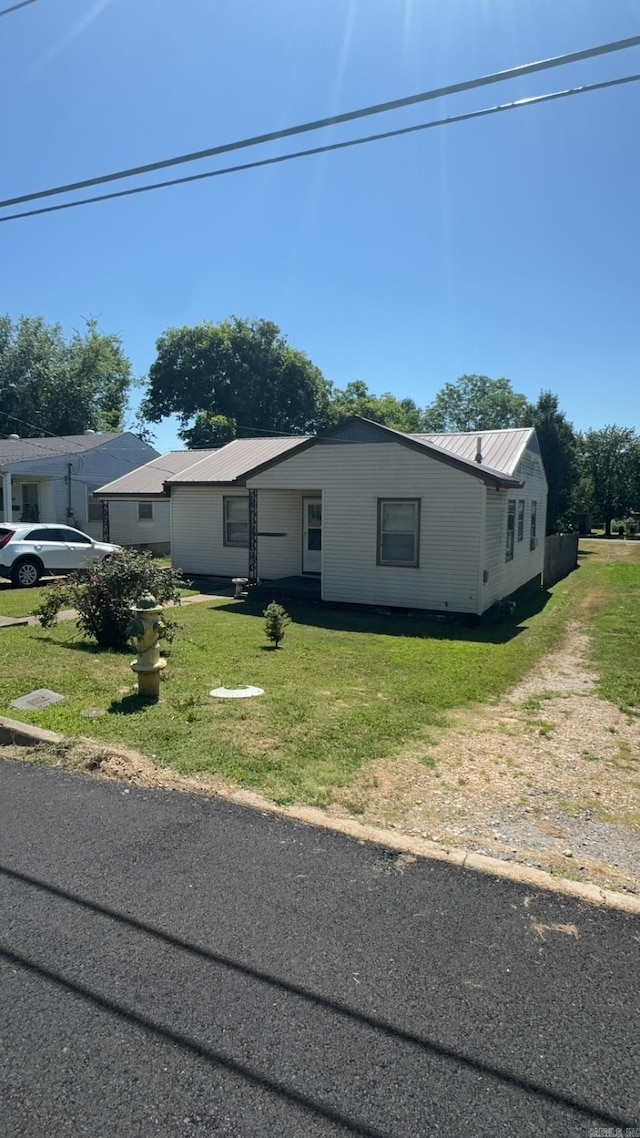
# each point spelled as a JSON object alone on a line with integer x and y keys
{"x": 533, "y": 539}
{"x": 520, "y": 519}
{"x": 75, "y": 536}
{"x": 398, "y": 531}
{"x": 94, "y": 506}
{"x": 236, "y": 521}
{"x": 145, "y": 511}
{"x": 49, "y": 534}
{"x": 511, "y": 529}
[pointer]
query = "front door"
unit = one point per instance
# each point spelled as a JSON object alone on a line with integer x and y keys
{"x": 311, "y": 535}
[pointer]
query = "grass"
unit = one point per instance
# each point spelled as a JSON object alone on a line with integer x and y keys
{"x": 615, "y": 630}
{"x": 22, "y": 602}
{"x": 345, "y": 687}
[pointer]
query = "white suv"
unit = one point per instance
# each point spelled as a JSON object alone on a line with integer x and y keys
{"x": 29, "y": 552}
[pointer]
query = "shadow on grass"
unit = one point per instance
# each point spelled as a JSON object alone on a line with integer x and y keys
{"x": 130, "y": 705}
{"x": 88, "y": 647}
{"x": 390, "y": 623}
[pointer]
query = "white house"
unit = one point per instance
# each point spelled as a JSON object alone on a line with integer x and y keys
{"x": 53, "y": 479}
{"x": 449, "y": 523}
{"x": 139, "y": 504}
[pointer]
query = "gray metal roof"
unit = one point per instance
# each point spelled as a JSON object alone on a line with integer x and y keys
{"x": 148, "y": 480}
{"x": 29, "y": 450}
{"x": 235, "y": 460}
{"x": 501, "y": 450}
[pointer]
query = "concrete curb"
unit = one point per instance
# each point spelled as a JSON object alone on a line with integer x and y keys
{"x": 25, "y": 734}
{"x": 13, "y": 731}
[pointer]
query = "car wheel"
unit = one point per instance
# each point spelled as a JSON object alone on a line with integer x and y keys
{"x": 26, "y": 573}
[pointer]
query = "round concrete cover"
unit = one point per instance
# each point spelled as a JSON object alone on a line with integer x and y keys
{"x": 236, "y": 693}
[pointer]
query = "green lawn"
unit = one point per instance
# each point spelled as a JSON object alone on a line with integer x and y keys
{"x": 615, "y": 630}
{"x": 18, "y": 602}
{"x": 345, "y": 687}
{"x": 22, "y": 602}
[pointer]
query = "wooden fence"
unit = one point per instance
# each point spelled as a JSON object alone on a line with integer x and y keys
{"x": 560, "y": 557}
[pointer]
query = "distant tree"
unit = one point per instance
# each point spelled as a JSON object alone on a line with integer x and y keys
{"x": 609, "y": 463}
{"x": 356, "y": 399}
{"x": 476, "y": 403}
{"x": 244, "y": 372}
{"x": 49, "y": 385}
{"x": 558, "y": 449}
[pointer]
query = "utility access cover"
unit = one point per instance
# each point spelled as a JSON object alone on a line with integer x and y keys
{"x": 236, "y": 693}
{"x": 37, "y": 700}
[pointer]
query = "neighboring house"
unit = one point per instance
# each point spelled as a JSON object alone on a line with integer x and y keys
{"x": 53, "y": 479}
{"x": 140, "y": 504}
{"x": 449, "y": 523}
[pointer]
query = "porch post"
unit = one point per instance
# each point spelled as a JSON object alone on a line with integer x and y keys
{"x": 6, "y": 492}
{"x": 253, "y": 537}
{"x": 105, "y": 521}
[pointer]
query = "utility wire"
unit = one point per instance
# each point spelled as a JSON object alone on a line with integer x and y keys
{"x": 517, "y": 105}
{"x": 334, "y": 120}
{"x": 14, "y": 7}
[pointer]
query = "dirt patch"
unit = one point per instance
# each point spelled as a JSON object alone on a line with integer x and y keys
{"x": 550, "y": 777}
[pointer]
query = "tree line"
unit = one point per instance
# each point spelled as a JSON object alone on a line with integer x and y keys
{"x": 241, "y": 377}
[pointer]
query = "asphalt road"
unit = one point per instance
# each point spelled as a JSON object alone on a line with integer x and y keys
{"x": 181, "y": 966}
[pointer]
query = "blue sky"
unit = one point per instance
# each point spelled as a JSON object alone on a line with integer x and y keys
{"x": 509, "y": 246}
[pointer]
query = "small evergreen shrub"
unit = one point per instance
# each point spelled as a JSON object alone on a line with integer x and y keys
{"x": 104, "y": 592}
{"x": 276, "y": 620}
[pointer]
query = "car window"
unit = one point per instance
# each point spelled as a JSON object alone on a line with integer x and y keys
{"x": 51, "y": 534}
{"x": 76, "y": 537}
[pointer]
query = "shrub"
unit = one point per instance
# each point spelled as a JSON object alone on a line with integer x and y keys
{"x": 104, "y": 592}
{"x": 276, "y": 620}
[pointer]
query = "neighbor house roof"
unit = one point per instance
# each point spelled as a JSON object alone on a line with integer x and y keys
{"x": 30, "y": 450}
{"x": 235, "y": 461}
{"x": 148, "y": 481}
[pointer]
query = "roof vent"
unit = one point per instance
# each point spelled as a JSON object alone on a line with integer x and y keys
{"x": 479, "y": 448}
{"x": 13, "y": 436}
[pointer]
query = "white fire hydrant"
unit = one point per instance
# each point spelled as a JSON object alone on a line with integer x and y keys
{"x": 146, "y": 629}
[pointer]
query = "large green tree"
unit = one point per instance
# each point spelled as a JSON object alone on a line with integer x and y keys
{"x": 558, "y": 449}
{"x": 609, "y": 461}
{"x": 53, "y": 386}
{"x": 238, "y": 376}
{"x": 356, "y": 399}
{"x": 476, "y": 403}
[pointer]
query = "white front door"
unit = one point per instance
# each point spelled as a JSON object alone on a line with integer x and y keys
{"x": 311, "y": 535}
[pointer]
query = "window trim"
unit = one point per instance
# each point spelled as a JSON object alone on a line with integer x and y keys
{"x": 150, "y": 517}
{"x": 95, "y": 504}
{"x": 533, "y": 526}
{"x": 225, "y": 521}
{"x": 520, "y": 519}
{"x": 415, "y": 563}
{"x": 511, "y": 530}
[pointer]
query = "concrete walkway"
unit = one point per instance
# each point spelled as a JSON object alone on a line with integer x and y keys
{"x": 71, "y": 614}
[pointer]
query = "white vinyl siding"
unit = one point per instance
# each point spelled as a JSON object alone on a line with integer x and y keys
{"x": 197, "y": 544}
{"x": 501, "y": 578}
{"x": 126, "y": 528}
{"x": 352, "y": 477}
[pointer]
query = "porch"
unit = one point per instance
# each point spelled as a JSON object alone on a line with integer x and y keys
{"x": 31, "y": 499}
{"x": 301, "y": 590}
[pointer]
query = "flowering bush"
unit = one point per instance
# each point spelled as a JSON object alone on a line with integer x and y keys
{"x": 104, "y": 592}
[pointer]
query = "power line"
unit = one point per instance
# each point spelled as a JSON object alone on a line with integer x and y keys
{"x": 466, "y": 117}
{"x": 334, "y": 120}
{"x": 14, "y": 7}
